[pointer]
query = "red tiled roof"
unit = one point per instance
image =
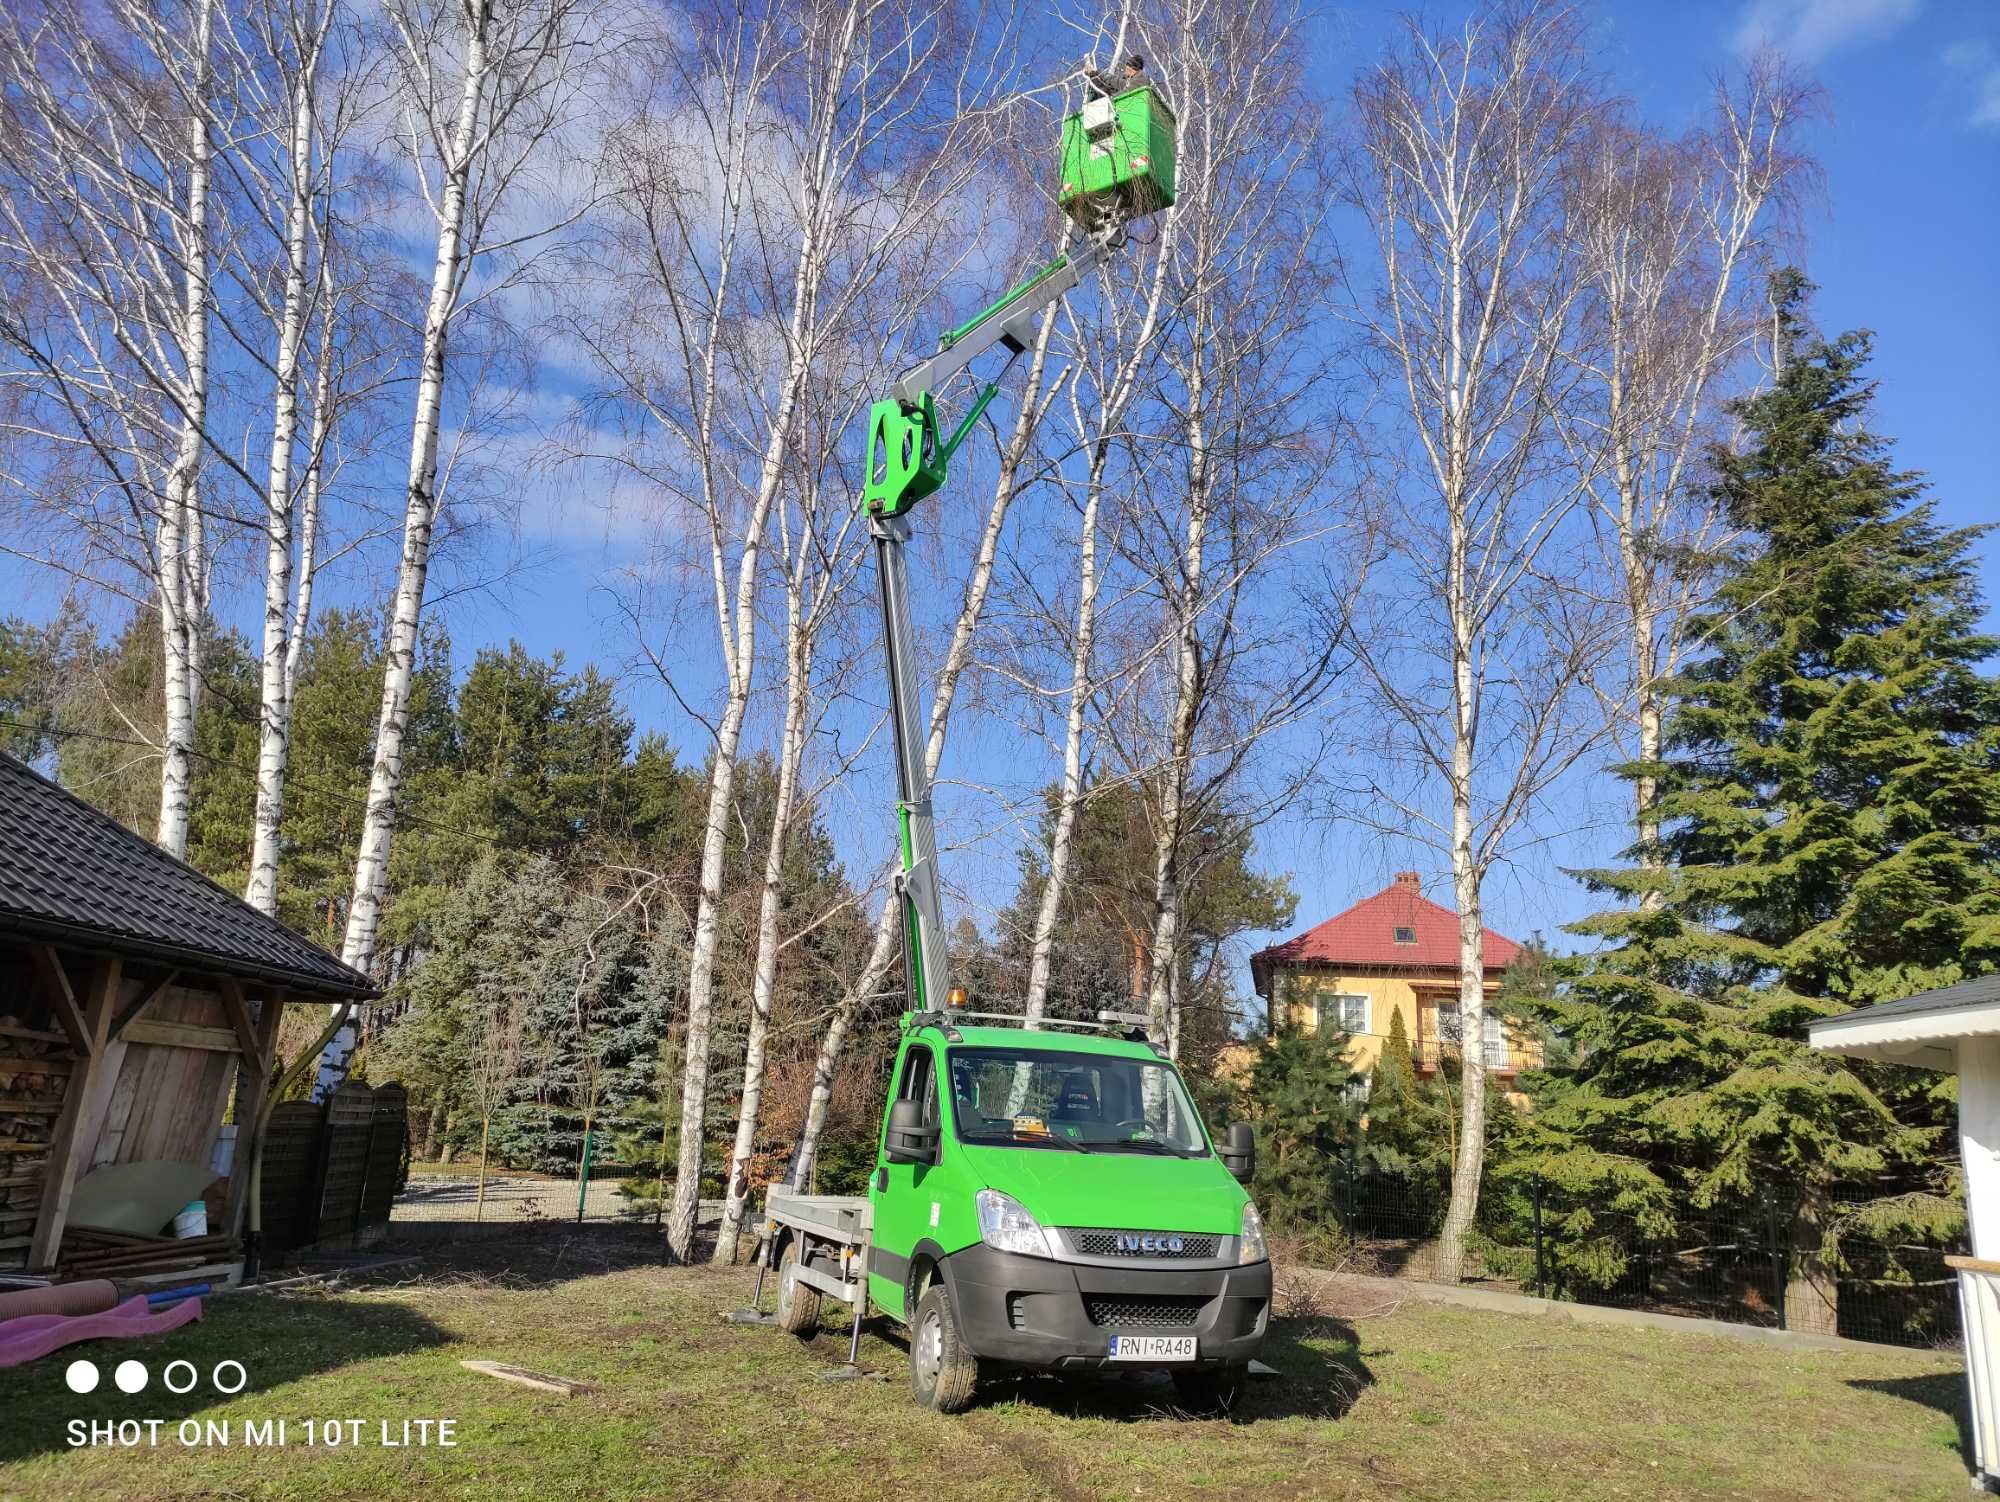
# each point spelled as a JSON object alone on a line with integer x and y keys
{"x": 1366, "y": 935}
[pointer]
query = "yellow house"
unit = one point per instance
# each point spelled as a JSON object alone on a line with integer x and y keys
{"x": 1395, "y": 953}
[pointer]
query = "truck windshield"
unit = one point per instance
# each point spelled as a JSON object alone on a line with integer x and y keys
{"x": 1025, "y": 1097}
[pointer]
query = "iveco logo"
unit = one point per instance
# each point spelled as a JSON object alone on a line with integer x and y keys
{"x": 1133, "y": 1241}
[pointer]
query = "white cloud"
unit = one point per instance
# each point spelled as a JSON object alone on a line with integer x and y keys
{"x": 1976, "y": 61}
{"x": 1808, "y": 30}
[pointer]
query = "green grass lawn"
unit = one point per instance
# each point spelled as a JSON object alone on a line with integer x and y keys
{"x": 1408, "y": 1401}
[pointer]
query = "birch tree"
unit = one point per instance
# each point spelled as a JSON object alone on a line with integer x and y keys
{"x": 1477, "y": 651}
{"x": 287, "y": 178}
{"x": 109, "y": 160}
{"x": 485, "y": 95}
{"x": 1109, "y": 355}
{"x": 756, "y": 212}
{"x": 1671, "y": 237}
{"x": 1037, "y": 394}
{"x": 1238, "y": 484}
{"x": 819, "y": 558}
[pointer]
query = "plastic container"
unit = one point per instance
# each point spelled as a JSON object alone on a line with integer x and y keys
{"x": 193, "y": 1221}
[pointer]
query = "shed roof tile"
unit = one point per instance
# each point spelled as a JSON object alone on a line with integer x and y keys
{"x": 72, "y": 874}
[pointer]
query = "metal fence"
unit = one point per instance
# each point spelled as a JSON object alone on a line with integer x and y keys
{"x": 480, "y": 1192}
{"x": 1741, "y": 1268}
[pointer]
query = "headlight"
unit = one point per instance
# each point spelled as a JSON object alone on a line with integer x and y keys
{"x": 1251, "y": 1247}
{"x": 1006, "y": 1227}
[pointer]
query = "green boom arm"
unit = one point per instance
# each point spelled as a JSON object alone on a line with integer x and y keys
{"x": 906, "y": 462}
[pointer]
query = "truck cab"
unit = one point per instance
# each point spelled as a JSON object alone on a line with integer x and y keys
{"x": 1046, "y": 1197}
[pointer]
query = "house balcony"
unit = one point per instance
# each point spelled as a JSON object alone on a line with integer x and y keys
{"x": 1502, "y": 1056}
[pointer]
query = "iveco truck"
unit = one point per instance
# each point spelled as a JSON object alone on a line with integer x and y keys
{"x": 1043, "y": 1197}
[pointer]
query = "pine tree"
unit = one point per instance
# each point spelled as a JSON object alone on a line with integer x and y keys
{"x": 1831, "y": 808}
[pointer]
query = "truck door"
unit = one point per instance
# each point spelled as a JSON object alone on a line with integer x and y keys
{"x": 902, "y": 1205}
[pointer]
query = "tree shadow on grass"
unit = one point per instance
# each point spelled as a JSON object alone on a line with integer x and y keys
{"x": 523, "y": 1255}
{"x": 277, "y": 1340}
{"x": 1320, "y": 1374}
{"x": 1944, "y": 1391}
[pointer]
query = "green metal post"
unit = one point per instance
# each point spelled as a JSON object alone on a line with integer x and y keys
{"x": 583, "y": 1178}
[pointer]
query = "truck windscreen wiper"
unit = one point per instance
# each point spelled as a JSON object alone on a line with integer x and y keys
{"x": 1149, "y": 1145}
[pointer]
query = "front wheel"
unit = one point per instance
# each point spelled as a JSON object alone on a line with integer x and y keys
{"x": 1211, "y": 1392}
{"x": 942, "y": 1371}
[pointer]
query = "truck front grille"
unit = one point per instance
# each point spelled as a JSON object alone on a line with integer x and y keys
{"x": 1158, "y": 1311}
{"x": 1186, "y": 1246}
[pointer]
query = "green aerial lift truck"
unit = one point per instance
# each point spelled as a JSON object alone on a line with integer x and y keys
{"x": 1043, "y": 1197}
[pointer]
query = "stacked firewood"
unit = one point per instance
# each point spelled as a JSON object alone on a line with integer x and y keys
{"x": 88, "y": 1253}
{"x": 35, "y": 1066}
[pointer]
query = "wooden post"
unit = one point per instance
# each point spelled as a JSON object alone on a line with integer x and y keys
{"x": 251, "y": 1084}
{"x": 66, "y": 1146}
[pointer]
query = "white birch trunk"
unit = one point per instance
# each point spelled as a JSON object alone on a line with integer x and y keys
{"x": 764, "y": 978}
{"x": 308, "y": 525}
{"x": 364, "y": 913}
{"x": 739, "y": 647}
{"x": 1163, "y": 1011}
{"x": 179, "y": 537}
{"x": 1470, "y": 1158}
{"x": 1042, "y": 953}
{"x": 1163, "y": 1022}
{"x": 280, "y": 522}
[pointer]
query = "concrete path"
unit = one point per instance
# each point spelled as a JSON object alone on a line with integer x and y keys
{"x": 1595, "y": 1314}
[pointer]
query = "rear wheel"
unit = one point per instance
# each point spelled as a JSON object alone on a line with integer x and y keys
{"x": 942, "y": 1372}
{"x": 1211, "y": 1391}
{"x": 798, "y": 1305}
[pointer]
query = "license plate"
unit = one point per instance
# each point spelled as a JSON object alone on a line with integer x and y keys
{"x": 1152, "y": 1348}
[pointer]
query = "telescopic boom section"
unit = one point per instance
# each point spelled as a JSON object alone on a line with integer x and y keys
{"x": 906, "y": 462}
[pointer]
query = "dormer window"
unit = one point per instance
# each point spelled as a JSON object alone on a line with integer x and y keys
{"x": 1404, "y": 935}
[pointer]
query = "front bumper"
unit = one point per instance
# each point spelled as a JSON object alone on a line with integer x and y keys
{"x": 1030, "y": 1311}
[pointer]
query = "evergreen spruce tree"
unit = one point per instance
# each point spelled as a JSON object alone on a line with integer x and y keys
{"x": 1406, "y": 1146}
{"x": 1830, "y": 801}
{"x": 1302, "y": 1102}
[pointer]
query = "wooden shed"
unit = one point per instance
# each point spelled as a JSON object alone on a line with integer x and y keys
{"x": 135, "y": 995}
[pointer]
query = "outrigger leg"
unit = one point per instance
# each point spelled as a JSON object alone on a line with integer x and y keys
{"x": 852, "y": 1370}
{"x": 755, "y": 1315}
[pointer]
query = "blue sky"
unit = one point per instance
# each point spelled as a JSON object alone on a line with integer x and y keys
{"x": 1900, "y": 239}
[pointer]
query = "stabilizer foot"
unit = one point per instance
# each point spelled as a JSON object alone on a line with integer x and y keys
{"x": 748, "y": 1317}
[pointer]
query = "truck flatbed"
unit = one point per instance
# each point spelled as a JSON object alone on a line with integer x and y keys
{"x": 841, "y": 1218}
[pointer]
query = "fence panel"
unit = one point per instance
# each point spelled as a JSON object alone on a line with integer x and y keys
{"x": 350, "y": 1117}
{"x": 382, "y": 1172}
{"x": 1733, "y": 1268}
{"x": 290, "y": 1174}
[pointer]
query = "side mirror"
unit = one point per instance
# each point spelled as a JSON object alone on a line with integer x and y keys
{"x": 909, "y": 1139}
{"x": 1239, "y": 1151}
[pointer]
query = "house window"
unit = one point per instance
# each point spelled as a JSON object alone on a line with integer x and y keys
{"x": 1342, "y": 1011}
{"x": 1406, "y": 935}
{"x": 1357, "y": 1087}
{"x": 1493, "y": 1029}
